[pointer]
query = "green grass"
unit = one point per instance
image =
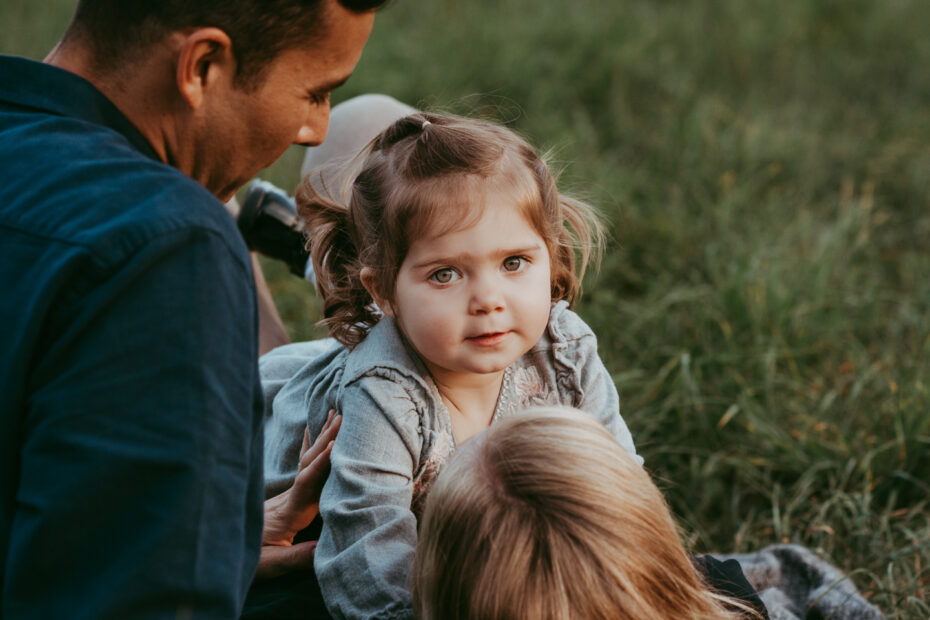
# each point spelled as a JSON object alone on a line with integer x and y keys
{"x": 765, "y": 302}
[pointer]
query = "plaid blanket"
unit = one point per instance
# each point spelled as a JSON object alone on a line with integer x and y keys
{"x": 794, "y": 583}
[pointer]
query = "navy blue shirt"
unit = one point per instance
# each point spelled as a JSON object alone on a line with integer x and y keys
{"x": 130, "y": 425}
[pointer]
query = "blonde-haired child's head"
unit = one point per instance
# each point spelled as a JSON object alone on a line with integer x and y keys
{"x": 545, "y": 516}
{"x": 424, "y": 176}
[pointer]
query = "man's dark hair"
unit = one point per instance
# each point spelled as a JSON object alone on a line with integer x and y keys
{"x": 121, "y": 30}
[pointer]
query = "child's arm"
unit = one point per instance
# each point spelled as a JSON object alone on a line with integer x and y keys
{"x": 575, "y": 348}
{"x": 600, "y": 398}
{"x": 369, "y": 533}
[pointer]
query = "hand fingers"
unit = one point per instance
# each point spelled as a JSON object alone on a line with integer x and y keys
{"x": 329, "y": 433}
{"x": 326, "y": 436}
{"x": 329, "y": 420}
{"x": 305, "y": 445}
{"x": 275, "y": 561}
{"x": 309, "y": 481}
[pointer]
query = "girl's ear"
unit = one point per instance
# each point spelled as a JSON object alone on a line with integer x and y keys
{"x": 367, "y": 276}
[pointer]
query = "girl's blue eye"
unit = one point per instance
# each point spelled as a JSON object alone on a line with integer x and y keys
{"x": 513, "y": 263}
{"x": 443, "y": 276}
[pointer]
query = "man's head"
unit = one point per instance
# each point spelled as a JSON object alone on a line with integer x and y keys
{"x": 117, "y": 32}
{"x": 220, "y": 89}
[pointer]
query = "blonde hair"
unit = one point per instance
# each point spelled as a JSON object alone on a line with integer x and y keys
{"x": 431, "y": 173}
{"x": 546, "y": 517}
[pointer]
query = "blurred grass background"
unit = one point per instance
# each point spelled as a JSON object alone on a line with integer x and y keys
{"x": 764, "y": 304}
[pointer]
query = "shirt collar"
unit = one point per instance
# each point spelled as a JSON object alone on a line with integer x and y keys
{"x": 43, "y": 87}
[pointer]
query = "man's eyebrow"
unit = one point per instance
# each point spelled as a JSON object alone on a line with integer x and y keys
{"x": 332, "y": 85}
{"x": 465, "y": 256}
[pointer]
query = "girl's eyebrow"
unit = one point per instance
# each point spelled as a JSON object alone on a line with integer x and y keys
{"x": 463, "y": 257}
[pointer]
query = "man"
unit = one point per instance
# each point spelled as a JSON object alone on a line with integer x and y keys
{"x": 130, "y": 428}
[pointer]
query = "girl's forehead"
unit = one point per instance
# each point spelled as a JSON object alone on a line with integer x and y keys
{"x": 459, "y": 206}
{"x": 463, "y": 217}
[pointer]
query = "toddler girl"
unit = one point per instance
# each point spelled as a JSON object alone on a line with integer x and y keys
{"x": 445, "y": 268}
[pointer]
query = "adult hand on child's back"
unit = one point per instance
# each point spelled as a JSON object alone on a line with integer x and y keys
{"x": 293, "y": 510}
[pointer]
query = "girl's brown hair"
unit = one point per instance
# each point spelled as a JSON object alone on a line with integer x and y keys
{"x": 431, "y": 173}
{"x": 546, "y": 517}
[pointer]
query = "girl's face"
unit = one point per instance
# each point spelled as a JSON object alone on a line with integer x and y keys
{"x": 472, "y": 301}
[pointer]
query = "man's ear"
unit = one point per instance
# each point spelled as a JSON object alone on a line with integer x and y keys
{"x": 367, "y": 275}
{"x": 205, "y": 59}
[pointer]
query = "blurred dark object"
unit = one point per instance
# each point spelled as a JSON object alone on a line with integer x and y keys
{"x": 270, "y": 225}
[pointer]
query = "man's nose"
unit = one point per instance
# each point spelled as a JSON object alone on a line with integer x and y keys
{"x": 313, "y": 130}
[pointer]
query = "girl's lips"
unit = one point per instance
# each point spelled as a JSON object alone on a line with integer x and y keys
{"x": 488, "y": 340}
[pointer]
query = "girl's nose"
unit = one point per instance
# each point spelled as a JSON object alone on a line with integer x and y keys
{"x": 487, "y": 296}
